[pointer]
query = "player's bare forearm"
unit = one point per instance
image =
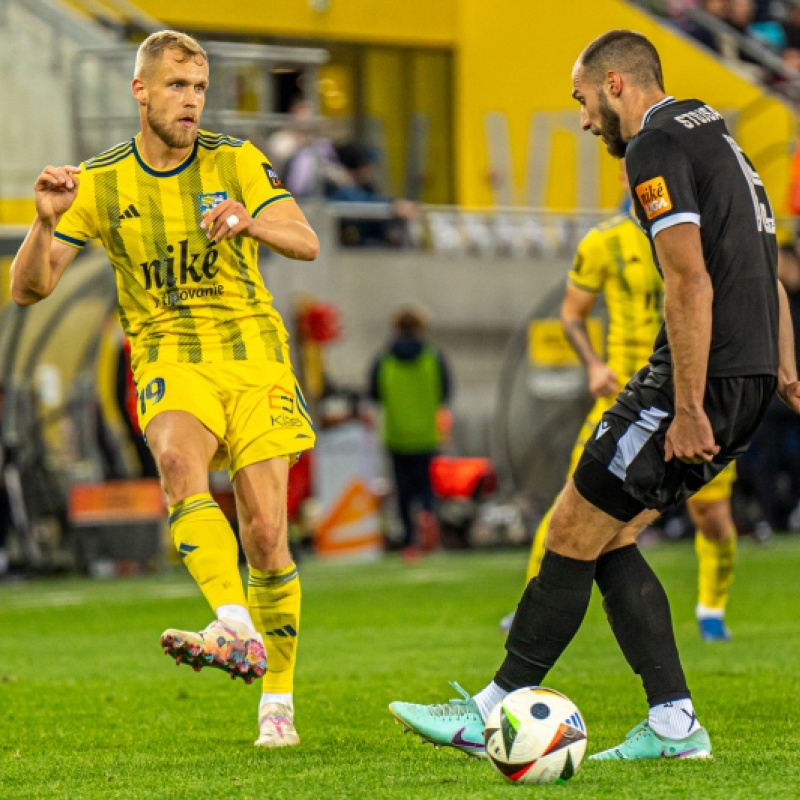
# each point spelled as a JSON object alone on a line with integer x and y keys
{"x": 788, "y": 387}
{"x": 288, "y": 237}
{"x": 787, "y": 363}
{"x": 688, "y": 296}
{"x": 578, "y": 337}
{"x": 31, "y": 270}
{"x": 687, "y": 311}
{"x": 575, "y": 309}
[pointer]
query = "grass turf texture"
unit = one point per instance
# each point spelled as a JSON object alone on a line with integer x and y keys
{"x": 91, "y": 708}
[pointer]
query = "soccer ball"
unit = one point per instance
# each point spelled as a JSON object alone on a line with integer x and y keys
{"x": 535, "y": 735}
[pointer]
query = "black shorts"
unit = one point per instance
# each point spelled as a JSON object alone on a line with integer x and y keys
{"x": 623, "y": 471}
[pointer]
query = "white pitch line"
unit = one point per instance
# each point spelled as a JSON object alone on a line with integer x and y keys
{"x": 79, "y": 598}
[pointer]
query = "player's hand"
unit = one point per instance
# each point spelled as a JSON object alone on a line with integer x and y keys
{"x": 690, "y": 439}
{"x": 228, "y": 219}
{"x": 55, "y": 191}
{"x": 790, "y": 395}
{"x": 602, "y": 380}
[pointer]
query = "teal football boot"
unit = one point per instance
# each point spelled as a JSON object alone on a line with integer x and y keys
{"x": 643, "y": 742}
{"x": 455, "y": 724}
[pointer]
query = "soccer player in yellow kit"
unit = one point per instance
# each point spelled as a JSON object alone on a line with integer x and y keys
{"x": 615, "y": 258}
{"x": 181, "y": 213}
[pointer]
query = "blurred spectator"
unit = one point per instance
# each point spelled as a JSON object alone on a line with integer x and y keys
{"x": 360, "y": 186}
{"x": 770, "y": 470}
{"x": 305, "y": 159}
{"x": 791, "y": 26}
{"x": 758, "y": 24}
{"x": 286, "y": 141}
{"x": 706, "y": 36}
{"x": 741, "y": 14}
{"x": 410, "y": 380}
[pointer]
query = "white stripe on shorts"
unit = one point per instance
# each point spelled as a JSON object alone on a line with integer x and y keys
{"x": 634, "y": 439}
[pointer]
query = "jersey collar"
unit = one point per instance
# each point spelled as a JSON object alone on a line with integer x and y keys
{"x": 164, "y": 173}
{"x": 660, "y": 104}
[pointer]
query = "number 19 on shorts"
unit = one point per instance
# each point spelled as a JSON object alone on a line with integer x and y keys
{"x": 151, "y": 394}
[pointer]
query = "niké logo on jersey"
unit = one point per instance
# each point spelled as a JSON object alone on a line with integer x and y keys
{"x": 188, "y": 267}
{"x": 274, "y": 179}
{"x": 654, "y": 197}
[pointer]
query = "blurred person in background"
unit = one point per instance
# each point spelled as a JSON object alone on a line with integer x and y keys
{"x": 615, "y": 259}
{"x": 791, "y": 25}
{"x": 181, "y": 213}
{"x": 707, "y": 36}
{"x": 770, "y": 469}
{"x": 303, "y": 156}
{"x": 360, "y": 186}
{"x": 283, "y": 143}
{"x": 410, "y": 381}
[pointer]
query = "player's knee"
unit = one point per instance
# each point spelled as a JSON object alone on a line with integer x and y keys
{"x": 713, "y": 520}
{"x": 266, "y": 533}
{"x": 565, "y": 534}
{"x": 177, "y": 472}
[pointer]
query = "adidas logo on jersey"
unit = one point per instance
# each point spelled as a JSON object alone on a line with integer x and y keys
{"x": 130, "y": 212}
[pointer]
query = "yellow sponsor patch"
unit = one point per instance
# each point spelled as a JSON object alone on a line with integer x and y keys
{"x": 654, "y": 197}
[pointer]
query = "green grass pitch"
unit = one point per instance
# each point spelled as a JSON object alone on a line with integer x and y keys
{"x": 91, "y": 708}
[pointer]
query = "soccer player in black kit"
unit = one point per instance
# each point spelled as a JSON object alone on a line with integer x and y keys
{"x": 726, "y": 347}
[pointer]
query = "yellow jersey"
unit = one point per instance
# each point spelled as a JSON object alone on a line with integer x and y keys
{"x": 615, "y": 258}
{"x": 182, "y": 298}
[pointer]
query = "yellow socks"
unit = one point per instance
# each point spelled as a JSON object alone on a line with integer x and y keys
{"x": 537, "y": 547}
{"x": 209, "y": 549}
{"x": 715, "y": 571}
{"x": 274, "y": 599}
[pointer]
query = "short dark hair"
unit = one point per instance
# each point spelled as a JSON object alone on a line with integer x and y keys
{"x": 623, "y": 51}
{"x": 410, "y": 321}
{"x": 354, "y": 156}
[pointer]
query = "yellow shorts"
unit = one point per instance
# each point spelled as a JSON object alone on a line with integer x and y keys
{"x": 255, "y": 409}
{"x": 721, "y": 488}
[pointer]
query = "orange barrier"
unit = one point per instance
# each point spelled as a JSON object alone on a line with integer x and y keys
{"x": 462, "y": 478}
{"x": 116, "y": 502}
{"x": 352, "y": 525}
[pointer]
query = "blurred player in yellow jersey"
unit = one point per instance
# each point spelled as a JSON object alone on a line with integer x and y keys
{"x": 615, "y": 258}
{"x": 181, "y": 213}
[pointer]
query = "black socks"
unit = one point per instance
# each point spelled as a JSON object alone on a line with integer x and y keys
{"x": 638, "y": 612}
{"x": 548, "y": 616}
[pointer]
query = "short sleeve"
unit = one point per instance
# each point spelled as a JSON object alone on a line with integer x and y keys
{"x": 662, "y": 182}
{"x": 261, "y": 184}
{"x": 79, "y": 223}
{"x": 589, "y": 267}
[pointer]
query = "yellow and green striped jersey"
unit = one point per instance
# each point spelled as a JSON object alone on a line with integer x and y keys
{"x": 181, "y": 297}
{"x": 615, "y": 258}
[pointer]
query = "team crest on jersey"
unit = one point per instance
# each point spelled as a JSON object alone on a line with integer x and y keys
{"x": 210, "y": 200}
{"x": 274, "y": 179}
{"x": 654, "y": 197}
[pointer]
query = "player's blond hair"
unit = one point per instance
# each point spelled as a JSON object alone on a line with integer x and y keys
{"x": 152, "y": 49}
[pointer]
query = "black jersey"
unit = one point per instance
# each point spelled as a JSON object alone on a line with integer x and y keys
{"x": 684, "y": 166}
